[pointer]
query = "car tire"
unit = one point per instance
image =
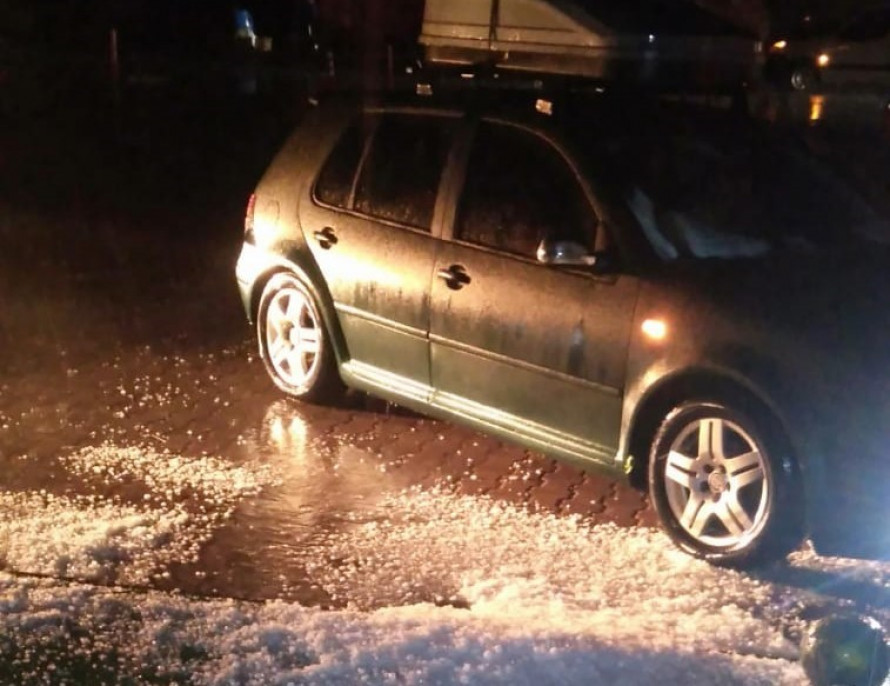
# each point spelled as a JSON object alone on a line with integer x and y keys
{"x": 725, "y": 486}
{"x": 294, "y": 344}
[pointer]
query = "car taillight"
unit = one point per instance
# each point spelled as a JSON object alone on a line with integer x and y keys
{"x": 248, "y": 219}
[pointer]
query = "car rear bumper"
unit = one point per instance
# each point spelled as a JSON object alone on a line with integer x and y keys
{"x": 252, "y": 263}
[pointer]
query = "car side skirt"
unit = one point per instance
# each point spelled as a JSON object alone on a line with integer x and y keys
{"x": 427, "y": 400}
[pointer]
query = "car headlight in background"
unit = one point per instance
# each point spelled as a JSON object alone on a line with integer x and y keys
{"x": 778, "y": 46}
{"x": 823, "y": 60}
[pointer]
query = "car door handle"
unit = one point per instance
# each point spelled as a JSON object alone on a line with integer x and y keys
{"x": 326, "y": 237}
{"x": 455, "y": 277}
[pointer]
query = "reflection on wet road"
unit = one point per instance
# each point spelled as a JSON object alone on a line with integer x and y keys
{"x": 108, "y": 439}
{"x": 863, "y": 112}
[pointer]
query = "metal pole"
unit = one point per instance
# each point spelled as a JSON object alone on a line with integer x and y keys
{"x": 114, "y": 64}
{"x": 372, "y": 47}
{"x": 113, "y": 56}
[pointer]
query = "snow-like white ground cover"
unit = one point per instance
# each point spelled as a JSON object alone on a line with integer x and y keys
{"x": 218, "y": 642}
{"x": 522, "y": 598}
{"x": 89, "y": 537}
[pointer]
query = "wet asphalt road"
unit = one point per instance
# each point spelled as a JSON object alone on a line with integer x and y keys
{"x": 196, "y": 395}
{"x": 186, "y": 378}
{"x": 120, "y": 324}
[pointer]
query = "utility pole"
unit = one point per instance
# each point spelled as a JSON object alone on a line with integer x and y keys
{"x": 373, "y": 48}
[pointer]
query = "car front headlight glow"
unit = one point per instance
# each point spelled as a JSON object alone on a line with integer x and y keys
{"x": 655, "y": 329}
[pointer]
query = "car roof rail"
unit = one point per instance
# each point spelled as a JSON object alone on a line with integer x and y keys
{"x": 487, "y": 80}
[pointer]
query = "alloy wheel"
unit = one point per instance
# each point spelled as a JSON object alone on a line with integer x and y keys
{"x": 293, "y": 337}
{"x": 717, "y": 483}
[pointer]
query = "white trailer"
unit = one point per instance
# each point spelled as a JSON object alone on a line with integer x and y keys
{"x": 648, "y": 40}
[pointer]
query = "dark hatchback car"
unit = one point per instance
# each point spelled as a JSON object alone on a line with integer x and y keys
{"x": 638, "y": 285}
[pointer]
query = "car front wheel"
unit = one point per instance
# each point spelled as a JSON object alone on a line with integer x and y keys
{"x": 725, "y": 486}
{"x": 294, "y": 343}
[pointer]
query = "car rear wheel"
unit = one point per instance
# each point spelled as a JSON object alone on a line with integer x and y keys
{"x": 724, "y": 486}
{"x": 294, "y": 343}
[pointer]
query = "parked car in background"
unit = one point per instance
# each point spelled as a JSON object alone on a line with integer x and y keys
{"x": 857, "y": 54}
{"x": 632, "y": 284}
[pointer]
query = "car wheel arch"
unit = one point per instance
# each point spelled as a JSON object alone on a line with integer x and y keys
{"x": 321, "y": 295}
{"x": 672, "y": 390}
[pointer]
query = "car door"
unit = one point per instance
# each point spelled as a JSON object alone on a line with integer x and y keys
{"x": 530, "y": 348}
{"x": 369, "y": 226}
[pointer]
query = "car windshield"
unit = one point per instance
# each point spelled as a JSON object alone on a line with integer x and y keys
{"x": 733, "y": 191}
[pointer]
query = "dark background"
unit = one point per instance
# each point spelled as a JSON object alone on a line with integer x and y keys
{"x": 205, "y": 22}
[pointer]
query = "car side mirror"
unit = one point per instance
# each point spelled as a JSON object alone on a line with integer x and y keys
{"x": 567, "y": 253}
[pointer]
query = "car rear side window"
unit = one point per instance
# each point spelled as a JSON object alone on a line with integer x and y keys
{"x": 334, "y": 185}
{"x": 519, "y": 190}
{"x": 400, "y": 178}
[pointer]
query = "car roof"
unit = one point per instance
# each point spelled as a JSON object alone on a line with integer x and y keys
{"x": 554, "y": 104}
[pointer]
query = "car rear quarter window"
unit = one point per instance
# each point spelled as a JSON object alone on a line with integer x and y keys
{"x": 519, "y": 189}
{"x": 334, "y": 186}
{"x": 400, "y": 177}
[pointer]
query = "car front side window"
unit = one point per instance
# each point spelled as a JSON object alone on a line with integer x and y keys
{"x": 520, "y": 190}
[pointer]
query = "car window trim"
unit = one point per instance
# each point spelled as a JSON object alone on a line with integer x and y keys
{"x": 606, "y": 277}
{"x": 445, "y": 212}
{"x": 376, "y": 115}
{"x": 341, "y": 132}
{"x": 450, "y": 232}
{"x": 439, "y": 207}
{"x": 379, "y": 114}
{"x": 370, "y": 135}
